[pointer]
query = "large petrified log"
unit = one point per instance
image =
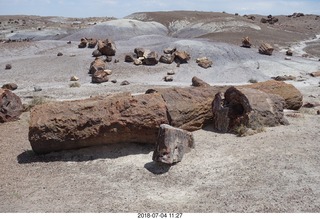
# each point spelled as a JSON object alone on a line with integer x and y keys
{"x": 96, "y": 121}
{"x": 172, "y": 143}
{"x": 107, "y": 47}
{"x": 248, "y": 107}
{"x": 291, "y": 95}
{"x": 10, "y": 106}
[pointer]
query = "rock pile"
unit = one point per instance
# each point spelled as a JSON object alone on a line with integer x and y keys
{"x": 270, "y": 20}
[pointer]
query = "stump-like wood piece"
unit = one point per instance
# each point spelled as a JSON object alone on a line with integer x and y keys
{"x": 10, "y": 106}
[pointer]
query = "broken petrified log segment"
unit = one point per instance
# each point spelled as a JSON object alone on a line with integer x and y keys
{"x": 172, "y": 143}
{"x": 248, "y": 107}
{"x": 291, "y": 95}
{"x": 96, "y": 65}
{"x": 204, "y": 62}
{"x": 266, "y": 49}
{"x": 181, "y": 56}
{"x": 315, "y": 74}
{"x": 83, "y": 43}
{"x": 107, "y": 47}
{"x": 150, "y": 58}
{"x": 10, "y": 106}
{"x": 189, "y": 108}
{"x": 246, "y": 42}
{"x": 100, "y": 76}
{"x": 97, "y": 121}
{"x": 197, "y": 82}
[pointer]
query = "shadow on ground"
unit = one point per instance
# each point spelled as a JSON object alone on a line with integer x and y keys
{"x": 86, "y": 154}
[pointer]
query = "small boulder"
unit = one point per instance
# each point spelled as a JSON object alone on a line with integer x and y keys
{"x": 204, "y": 62}
{"x": 289, "y": 52}
{"x": 172, "y": 143}
{"x": 107, "y": 47}
{"x": 197, "y": 82}
{"x": 108, "y": 59}
{"x": 92, "y": 43}
{"x": 129, "y": 58}
{"x": 246, "y": 42}
{"x": 10, "y": 106}
{"x": 83, "y": 43}
{"x": 99, "y": 76}
{"x": 10, "y": 86}
{"x": 168, "y": 78}
{"x": 181, "y": 56}
{"x": 266, "y": 49}
{"x": 167, "y": 58}
{"x": 139, "y": 52}
{"x": 8, "y": 66}
{"x": 123, "y": 83}
{"x": 97, "y": 64}
{"x": 96, "y": 53}
{"x": 150, "y": 58}
{"x": 74, "y": 78}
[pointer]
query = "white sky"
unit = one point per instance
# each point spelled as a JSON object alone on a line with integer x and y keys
{"x": 119, "y": 9}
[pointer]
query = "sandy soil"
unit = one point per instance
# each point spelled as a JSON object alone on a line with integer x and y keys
{"x": 276, "y": 170}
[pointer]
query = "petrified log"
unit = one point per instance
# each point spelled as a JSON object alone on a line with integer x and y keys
{"x": 129, "y": 57}
{"x": 266, "y": 49}
{"x": 83, "y": 43}
{"x": 10, "y": 86}
{"x": 248, "y": 107}
{"x": 291, "y": 95}
{"x": 172, "y": 143}
{"x": 197, "y": 82}
{"x": 150, "y": 57}
{"x": 96, "y": 65}
{"x": 246, "y": 42}
{"x": 10, "y": 106}
{"x": 204, "y": 62}
{"x": 315, "y": 74}
{"x": 139, "y": 52}
{"x": 92, "y": 43}
{"x": 100, "y": 76}
{"x": 107, "y": 47}
{"x": 166, "y": 58}
{"x": 181, "y": 56}
{"x": 96, "y": 121}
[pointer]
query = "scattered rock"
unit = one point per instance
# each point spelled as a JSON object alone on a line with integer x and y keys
{"x": 37, "y": 88}
{"x": 168, "y": 78}
{"x": 123, "y": 83}
{"x": 97, "y": 64}
{"x": 247, "y": 107}
{"x": 10, "y": 106}
{"x": 74, "y": 84}
{"x": 129, "y": 58}
{"x": 96, "y": 53}
{"x": 104, "y": 120}
{"x": 92, "y": 43}
{"x": 204, "y": 62}
{"x": 289, "y": 52}
{"x": 318, "y": 112}
{"x": 59, "y": 54}
{"x": 116, "y": 60}
{"x": 181, "y": 56}
{"x": 99, "y": 76}
{"x": 172, "y": 143}
{"x": 150, "y": 58}
{"x": 10, "y": 86}
{"x": 270, "y": 20}
{"x": 266, "y": 49}
{"x": 8, "y": 66}
{"x": 107, "y": 47}
{"x": 108, "y": 59}
{"x": 74, "y": 78}
{"x": 287, "y": 58}
{"x": 284, "y": 78}
{"x": 246, "y": 42}
{"x": 315, "y": 74}
{"x": 169, "y": 51}
{"x": 171, "y": 72}
{"x": 309, "y": 105}
{"x": 197, "y": 82}
{"x": 288, "y": 92}
{"x": 83, "y": 43}
{"x": 69, "y": 42}
{"x": 114, "y": 81}
{"x": 167, "y": 58}
{"x": 137, "y": 62}
{"x": 139, "y": 52}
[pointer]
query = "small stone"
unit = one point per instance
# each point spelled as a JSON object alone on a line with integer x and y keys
{"x": 37, "y": 88}
{"x": 108, "y": 59}
{"x": 124, "y": 83}
{"x": 69, "y": 42}
{"x": 74, "y": 78}
{"x": 96, "y": 53}
{"x": 8, "y": 66}
{"x": 137, "y": 62}
{"x": 116, "y": 60}
{"x": 59, "y": 54}
{"x": 168, "y": 78}
{"x": 287, "y": 58}
{"x": 289, "y": 52}
{"x": 114, "y": 81}
{"x": 10, "y": 86}
{"x": 171, "y": 72}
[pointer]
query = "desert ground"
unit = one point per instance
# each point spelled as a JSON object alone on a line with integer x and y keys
{"x": 276, "y": 170}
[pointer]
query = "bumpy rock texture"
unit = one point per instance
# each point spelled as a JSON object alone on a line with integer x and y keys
{"x": 248, "y": 107}
{"x": 107, "y": 47}
{"x": 10, "y": 106}
{"x": 96, "y": 121}
{"x": 172, "y": 143}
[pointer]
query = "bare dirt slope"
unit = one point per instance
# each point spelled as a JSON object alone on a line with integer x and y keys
{"x": 274, "y": 171}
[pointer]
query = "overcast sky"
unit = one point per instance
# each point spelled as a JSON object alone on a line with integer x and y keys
{"x": 119, "y": 9}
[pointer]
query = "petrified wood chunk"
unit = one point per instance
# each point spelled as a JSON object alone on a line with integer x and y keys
{"x": 172, "y": 143}
{"x": 266, "y": 49}
{"x": 10, "y": 106}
